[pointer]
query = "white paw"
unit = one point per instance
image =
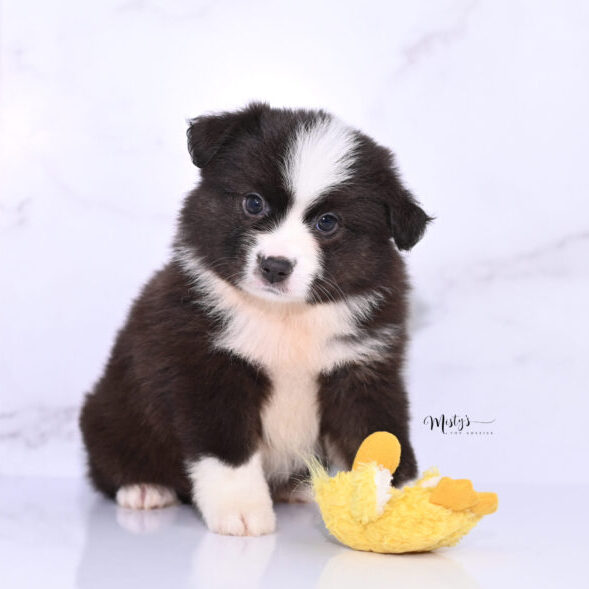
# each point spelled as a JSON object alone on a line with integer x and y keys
{"x": 242, "y": 520}
{"x": 145, "y": 496}
{"x": 233, "y": 500}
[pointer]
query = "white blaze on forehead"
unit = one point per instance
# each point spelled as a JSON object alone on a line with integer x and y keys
{"x": 320, "y": 157}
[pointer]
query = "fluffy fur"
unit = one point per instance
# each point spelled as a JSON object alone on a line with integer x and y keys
{"x": 362, "y": 510}
{"x": 223, "y": 379}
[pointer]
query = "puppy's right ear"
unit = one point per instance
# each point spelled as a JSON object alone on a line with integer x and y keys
{"x": 207, "y": 134}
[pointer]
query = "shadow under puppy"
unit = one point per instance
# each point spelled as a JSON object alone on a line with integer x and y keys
{"x": 277, "y": 329}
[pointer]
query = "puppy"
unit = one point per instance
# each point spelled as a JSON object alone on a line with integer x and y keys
{"x": 276, "y": 331}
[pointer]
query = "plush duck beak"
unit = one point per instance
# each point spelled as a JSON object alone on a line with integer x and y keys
{"x": 380, "y": 447}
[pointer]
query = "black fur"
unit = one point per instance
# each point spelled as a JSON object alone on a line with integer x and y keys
{"x": 167, "y": 395}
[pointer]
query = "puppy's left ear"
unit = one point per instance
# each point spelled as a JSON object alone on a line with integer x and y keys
{"x": 209, "y": 133}
{"x": 407, "y": 219}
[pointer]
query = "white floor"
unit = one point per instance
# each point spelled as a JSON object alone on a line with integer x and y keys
{"x": 485, "y": 105}
{"x": 58, "y": 533}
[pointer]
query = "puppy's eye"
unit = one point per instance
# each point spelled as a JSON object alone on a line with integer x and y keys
{"x": 327, "y": 223}
{"x": 253, "y": 204}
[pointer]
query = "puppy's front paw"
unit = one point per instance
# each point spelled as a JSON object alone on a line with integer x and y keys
{"x": 233, "y": 500}
{"x": 241, "y": 520}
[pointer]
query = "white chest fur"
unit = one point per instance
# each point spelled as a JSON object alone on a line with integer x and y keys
{"x": 296, "y": 336}
{"x": 293, "y": 343}
{"x": 290, "y": 422}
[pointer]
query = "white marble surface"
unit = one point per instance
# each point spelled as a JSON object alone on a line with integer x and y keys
{"x": 485, "y": 104}
{"x": 56, "y": 533}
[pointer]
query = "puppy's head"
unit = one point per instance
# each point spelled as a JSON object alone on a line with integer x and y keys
{"x": 293, "y": 205}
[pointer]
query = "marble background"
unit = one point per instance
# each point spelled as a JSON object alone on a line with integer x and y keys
{"x": 485, "y": 105}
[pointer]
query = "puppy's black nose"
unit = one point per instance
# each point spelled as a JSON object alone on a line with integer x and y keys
{"x": 275, "y": 269}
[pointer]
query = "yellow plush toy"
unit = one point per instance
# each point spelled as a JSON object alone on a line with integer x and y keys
{"x": 362, "y": 510}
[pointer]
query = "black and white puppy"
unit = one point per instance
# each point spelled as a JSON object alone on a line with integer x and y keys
{"x": 276, "y": 331}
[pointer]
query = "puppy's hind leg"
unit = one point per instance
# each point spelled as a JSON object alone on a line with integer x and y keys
{"x": 296, "y": 489}
{"x": 145, "y": 496}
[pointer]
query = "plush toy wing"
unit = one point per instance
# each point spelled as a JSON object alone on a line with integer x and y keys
{"x": 376, "y": 460}
{"x": 380, "y": 447}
